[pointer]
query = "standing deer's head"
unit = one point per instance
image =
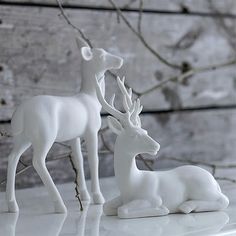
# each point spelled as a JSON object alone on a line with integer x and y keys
{"x": 127, "y": 125}
{"x": 98, "y": 60}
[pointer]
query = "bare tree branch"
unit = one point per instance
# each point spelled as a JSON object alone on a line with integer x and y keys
{"x": 187, "y": 74}
{"x": 142, "y": 39}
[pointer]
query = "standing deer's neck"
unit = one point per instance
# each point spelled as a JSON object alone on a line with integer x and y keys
{"x": 88, "y": 80}
{"x": 126, "y": 171}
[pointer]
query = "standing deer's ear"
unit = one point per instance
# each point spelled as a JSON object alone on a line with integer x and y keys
{"x": 81, "y": 42}
{"x": 86, "y": 53}
{"x": 114, "y": 125}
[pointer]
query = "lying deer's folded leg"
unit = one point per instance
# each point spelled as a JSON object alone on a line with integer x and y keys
{"x": 141, "y": 208}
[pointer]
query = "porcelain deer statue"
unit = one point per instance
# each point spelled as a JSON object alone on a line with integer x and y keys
{"x": 42, "y": 120}
{"x": 152, "y": 193}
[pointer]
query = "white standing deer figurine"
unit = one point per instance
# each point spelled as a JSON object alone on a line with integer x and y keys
{"x": 43, "y": 120}
{"x": 152, "y": 193}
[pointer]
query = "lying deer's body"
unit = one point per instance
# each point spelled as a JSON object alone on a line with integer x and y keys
{"x": 153, "y": 193}
{"x": 43, "y": 120}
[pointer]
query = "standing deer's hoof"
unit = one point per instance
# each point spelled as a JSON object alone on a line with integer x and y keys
{"x": 85, "y": 196}
{"x": 60, "y": 207}
{"x": 13, "y": 207}
{"x": 98, "y": 198}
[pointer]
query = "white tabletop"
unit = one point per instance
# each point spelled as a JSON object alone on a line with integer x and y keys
{"x": 36, "y": 219}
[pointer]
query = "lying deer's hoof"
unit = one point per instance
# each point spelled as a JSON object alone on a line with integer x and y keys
{"x": 98, "y": 198}
{"x": 162, "y": 210}
{"x": 186, "y": 207}
{"x": 122, "y": 212}
{"x": 13, "y": 207}
{"x": 85, "y": 196}
{"x": 60, "y": 207}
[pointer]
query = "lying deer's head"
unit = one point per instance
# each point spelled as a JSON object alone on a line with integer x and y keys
{"x": 97, "y": 59}
{"x": 127, "y": 125}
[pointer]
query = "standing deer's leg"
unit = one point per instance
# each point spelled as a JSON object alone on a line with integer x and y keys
{"x": 91, "y": 139}
{"x": 20, "y": 145}
{"x": 77, "y": 159}
{"x": 40, "y": 152}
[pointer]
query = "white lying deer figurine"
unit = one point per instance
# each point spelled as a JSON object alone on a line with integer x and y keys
{"x": 147, "y": 193}
{"x": 43, "y": 120}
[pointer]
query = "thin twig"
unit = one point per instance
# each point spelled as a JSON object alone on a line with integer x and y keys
{"x": 145, "y": 162}
{"x": 139, "y": 27}
{"x": 226, "y": 179}
{"x": 82, "y": 35}
{"x": 76, "y": 183}
{"x": 23, "y": 163}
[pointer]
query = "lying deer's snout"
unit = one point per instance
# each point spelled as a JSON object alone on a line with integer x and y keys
{"x": 154, "y": 146}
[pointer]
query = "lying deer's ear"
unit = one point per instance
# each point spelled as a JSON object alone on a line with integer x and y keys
{"x": 114, "y": 125}
{"x": 86, "y": 53}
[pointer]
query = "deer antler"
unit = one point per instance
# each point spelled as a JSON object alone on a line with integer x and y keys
{"x": 123, "y": 117}
{"x": 127, "y": 102}
{"x": 132, "y": 109}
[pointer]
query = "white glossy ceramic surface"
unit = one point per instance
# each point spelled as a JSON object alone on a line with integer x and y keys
{"x": 36, "y": 217}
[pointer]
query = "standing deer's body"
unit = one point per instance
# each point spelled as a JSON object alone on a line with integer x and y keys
{"x": 43, "y": 120}
{"x": 145, "y": 193}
